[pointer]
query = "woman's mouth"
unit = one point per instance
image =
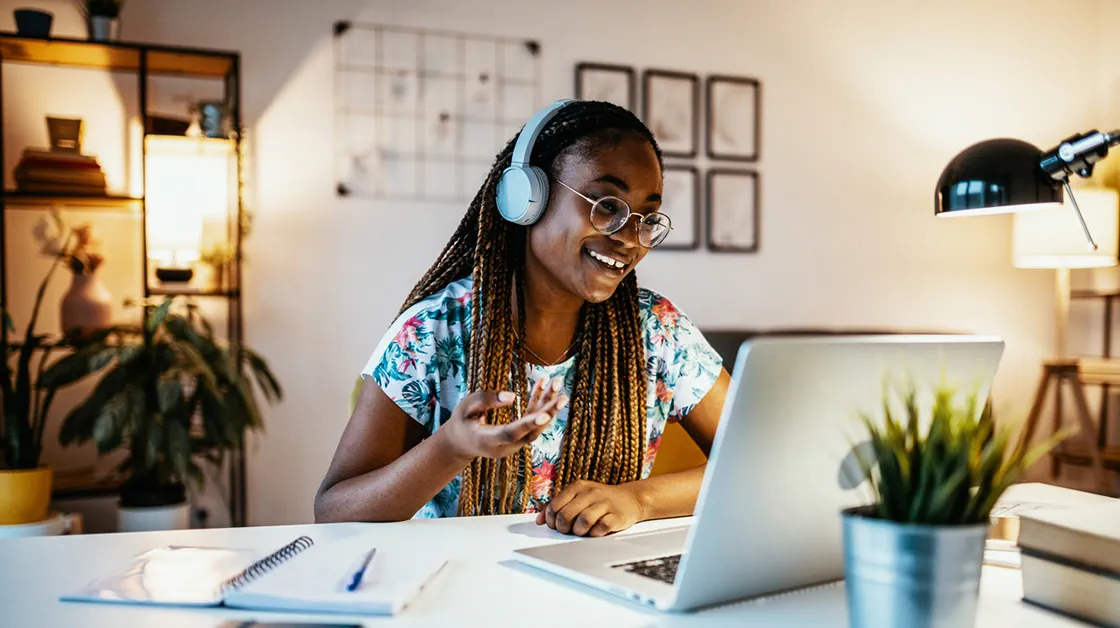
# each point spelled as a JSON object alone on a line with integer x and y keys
{"x": 606, "y": 262}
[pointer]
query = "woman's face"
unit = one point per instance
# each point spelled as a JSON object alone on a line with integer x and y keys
{"x": 565, "y": 244}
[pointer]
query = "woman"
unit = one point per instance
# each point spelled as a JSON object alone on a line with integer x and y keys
{"x": 527, "y": 371}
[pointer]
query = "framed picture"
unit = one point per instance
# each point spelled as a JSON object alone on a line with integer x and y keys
{"x": 680, "y": 201}
{"x": 671, "y": 109}
{"x": 734, "y": 112}
{"x": 610, "y": 83}
{"x": 733, "y": 210}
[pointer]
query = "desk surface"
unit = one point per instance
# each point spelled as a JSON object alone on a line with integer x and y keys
{"x": 482, "y": 586}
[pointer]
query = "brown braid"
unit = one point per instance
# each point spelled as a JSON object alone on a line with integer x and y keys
{"x": 605, "y": 438}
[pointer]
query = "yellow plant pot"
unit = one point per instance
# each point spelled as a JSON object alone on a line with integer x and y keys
{"x": 25, "y": 495}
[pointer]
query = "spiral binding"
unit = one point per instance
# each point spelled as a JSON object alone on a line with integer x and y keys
{"x": 266, "y": 564}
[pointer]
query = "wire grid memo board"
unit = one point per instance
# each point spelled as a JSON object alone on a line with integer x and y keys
{"x": 421, "y": 114}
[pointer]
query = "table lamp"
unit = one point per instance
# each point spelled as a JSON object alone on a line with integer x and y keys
{"x": 187, "y": 182}
{"x": 1048, "y": 238}
{"x": 1007, "y": 175}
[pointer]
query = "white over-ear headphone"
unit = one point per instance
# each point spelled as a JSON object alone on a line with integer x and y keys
{"x": 523, "y": 189}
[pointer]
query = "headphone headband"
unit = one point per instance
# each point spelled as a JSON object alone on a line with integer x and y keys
{"x": 523, "y": 149}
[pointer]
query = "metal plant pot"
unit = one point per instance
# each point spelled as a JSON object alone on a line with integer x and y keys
{"x": 918, "y": 576}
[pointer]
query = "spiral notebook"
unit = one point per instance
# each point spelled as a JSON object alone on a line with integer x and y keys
{"x": 299, "y": 577}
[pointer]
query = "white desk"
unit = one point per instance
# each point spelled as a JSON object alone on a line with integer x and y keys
{"x": 480, "y": 587}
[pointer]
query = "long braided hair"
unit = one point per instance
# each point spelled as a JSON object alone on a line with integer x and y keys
{"x": 606, "y": 431}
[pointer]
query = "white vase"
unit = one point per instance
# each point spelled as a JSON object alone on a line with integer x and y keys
{"x": 148, "y": 518}
{"x": 87, "y": 306}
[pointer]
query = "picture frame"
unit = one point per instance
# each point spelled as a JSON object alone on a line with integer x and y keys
{"x": 671, "y": 109}
{"x": 734, "y": 210}
{"x": 607, "y": 82}
{"x": 734, "y": 112}
{"x": 680, "y": 201}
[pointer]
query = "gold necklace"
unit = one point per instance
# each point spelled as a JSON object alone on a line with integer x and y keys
{"x": 558, "y": 358}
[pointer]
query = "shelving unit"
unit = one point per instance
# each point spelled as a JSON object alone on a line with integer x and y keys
{"x": 143, "y": 61}
{"x": 1101, "y": 373}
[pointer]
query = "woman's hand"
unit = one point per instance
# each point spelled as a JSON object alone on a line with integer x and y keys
{"x": 469, "y": 436}
{"x": 586, "y": 508}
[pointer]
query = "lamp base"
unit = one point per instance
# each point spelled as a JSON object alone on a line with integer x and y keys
{"x": 174, "y": 275}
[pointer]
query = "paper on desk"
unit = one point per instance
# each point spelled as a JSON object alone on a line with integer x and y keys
{"x": 313, "y": 581}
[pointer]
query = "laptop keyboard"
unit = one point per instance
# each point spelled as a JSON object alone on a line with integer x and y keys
{"x": 663, "y": 569}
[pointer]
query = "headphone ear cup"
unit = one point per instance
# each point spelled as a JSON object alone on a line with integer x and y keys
{"x": 538, "y": 199}
{"x": 515, "y": 191}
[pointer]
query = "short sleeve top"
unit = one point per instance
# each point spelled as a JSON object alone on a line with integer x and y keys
{"x": 421, "y": 364}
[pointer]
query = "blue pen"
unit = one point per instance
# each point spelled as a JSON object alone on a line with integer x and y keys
{"x": 356, "y": 579}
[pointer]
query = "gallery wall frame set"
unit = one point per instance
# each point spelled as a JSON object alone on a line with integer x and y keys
{"x": 670, "y": 105}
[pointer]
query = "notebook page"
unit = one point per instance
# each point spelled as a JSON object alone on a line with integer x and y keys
{"x": 173, "y": 575}
{"x": 314, "y": 580}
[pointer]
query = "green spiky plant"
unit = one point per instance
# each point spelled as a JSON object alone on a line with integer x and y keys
{"x": 951, "y": 473}
{"x": 101, "y": 8}
{"x": 171, "y": 396}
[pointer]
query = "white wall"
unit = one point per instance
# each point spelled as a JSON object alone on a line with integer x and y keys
{"x": 863, "y": 104}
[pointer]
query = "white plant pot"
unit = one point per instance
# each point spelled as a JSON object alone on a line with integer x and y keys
{"x": 174, "y": 517}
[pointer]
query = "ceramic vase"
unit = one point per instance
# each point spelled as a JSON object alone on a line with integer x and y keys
{"x": 87, "y": 306}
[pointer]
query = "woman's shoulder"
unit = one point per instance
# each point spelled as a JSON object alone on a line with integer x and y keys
{"x": 451, "y": 304}
{"x": 658, "y": 312}
{"x": 442, "y": 319}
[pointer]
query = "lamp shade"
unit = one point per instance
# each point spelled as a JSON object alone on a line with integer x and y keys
{"x": 1053, "y": 238}
{"x": 187, "y": 184}
{"x": 994, "y": 177}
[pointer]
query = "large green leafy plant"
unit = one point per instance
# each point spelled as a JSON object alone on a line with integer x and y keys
{"x": 171, "y": 395}
{"x": 950, "y": 473}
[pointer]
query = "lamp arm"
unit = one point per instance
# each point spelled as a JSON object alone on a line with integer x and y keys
{"x": 1077, "y": 154}
{"x": 1084, "y": 227}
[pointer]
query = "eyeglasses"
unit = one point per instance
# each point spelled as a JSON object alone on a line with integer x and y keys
{"x": 609, "y": 214}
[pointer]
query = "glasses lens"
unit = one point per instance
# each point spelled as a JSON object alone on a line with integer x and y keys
{"x": 609, "y": 214}
{"x": 654, "y": 228}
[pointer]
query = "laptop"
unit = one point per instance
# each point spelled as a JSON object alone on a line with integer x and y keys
{"x": 767, "y": 519}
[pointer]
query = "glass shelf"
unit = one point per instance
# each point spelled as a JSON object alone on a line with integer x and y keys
{"x": 117, "y": 56}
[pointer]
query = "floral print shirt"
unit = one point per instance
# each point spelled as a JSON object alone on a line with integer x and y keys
{"x": 420, "y": 363}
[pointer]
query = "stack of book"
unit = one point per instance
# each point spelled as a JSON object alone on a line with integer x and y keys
{"x": 57, "y": 172}
{"x": 1071, "y": 561}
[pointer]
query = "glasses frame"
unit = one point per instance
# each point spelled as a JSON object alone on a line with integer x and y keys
{"x": 630, "y": 213}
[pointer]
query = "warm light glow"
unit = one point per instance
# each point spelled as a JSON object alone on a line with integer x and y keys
{"x": 1003, "y": 209}
{"x": 1053, "y": 238}
{"x": 187, "y": 183}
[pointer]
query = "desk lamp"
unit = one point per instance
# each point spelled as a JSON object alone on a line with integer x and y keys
{"x": 1008, "y": 175}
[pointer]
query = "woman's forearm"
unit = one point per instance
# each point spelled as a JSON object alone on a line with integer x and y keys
{"x": 393, "y": 492}
{"x": 669, "y": 495}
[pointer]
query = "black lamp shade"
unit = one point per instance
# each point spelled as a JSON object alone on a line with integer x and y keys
{"x": 994, "y": 176}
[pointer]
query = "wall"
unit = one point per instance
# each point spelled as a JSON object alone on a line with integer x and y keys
{"x": 864, "y": 103}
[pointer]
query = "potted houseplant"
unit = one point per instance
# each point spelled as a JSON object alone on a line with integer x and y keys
{"x": 25, "y": 484}
{"x": 913, "y": 555}
{"x": 172, "y": 397}
{"x": 102, "y": 18}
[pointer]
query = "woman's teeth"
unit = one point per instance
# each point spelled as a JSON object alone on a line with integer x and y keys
{"x": 609, "y": 261}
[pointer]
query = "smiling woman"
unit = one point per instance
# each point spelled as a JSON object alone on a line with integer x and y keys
{"x": 527, "y": 371}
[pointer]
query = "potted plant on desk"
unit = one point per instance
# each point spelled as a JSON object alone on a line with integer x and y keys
{"x": 172, "y": 396}
{"x": 913, "y": 556}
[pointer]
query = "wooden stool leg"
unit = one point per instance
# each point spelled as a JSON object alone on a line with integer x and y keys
{"x": 1084, "y": 418}
{"x": 1031, "y": 424}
